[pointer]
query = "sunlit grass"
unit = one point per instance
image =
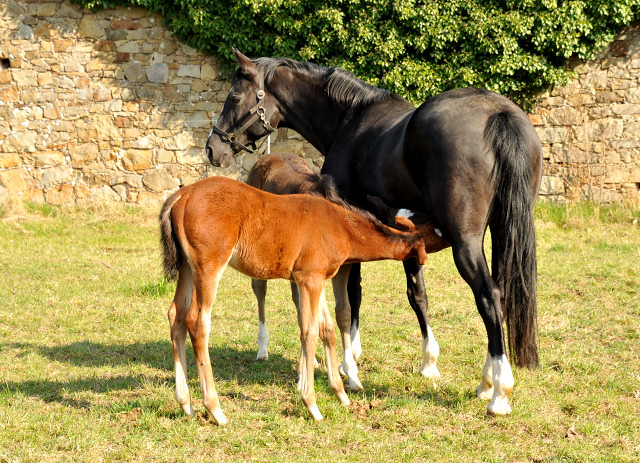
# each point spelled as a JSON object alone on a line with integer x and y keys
{"x": 86, "y": 370}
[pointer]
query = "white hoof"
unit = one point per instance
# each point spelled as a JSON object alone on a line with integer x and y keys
{"x": 315, "y": 413}
{"x": 499, "y": 407}
{"x": 220, "y": 418}
{"x": 188, "y": 409}
{"x": 262, "y": 355}
{"x": 343, "y": 398}
{"x": 355, "y": 385}
{"x": 430, "y": 371}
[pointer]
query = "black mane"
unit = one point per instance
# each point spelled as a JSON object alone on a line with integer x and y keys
{"x": 340, "y": 85}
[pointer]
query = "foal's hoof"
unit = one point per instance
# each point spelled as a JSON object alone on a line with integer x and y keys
{"x": 219, "y": 417}
{"x": 430, "y": 372}
{"x": 315, "y": 413}
{"x": 262, "y": 356}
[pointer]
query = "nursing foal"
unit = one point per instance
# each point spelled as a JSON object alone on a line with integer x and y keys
{"x": 302, "y": 238}
{"x": 286, "y": 173}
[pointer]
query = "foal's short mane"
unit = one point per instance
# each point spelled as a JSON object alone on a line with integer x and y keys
{"x": 326, "y": 188}
{"x": 340, "y": 85}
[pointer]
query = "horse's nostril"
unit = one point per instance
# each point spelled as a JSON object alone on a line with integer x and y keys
{"x": 209, "y": 152}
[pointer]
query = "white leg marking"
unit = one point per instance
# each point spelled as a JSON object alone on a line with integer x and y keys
{"x": 349, "y": 368}
{"x": 263, "y": 342}
{"x": 356, "y": 348}
{"x": 502, "y": 386}
{"x": 485, "y": 390}
{"x": 430, "y": 352}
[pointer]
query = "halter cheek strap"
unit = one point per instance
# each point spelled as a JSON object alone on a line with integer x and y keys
{"x": 255, "y": 113}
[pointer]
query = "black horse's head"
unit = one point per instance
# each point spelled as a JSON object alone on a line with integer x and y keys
{"x": 249, "y": 113}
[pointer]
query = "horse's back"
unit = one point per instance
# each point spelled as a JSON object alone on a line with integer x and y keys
{"x": 282, "y": 173}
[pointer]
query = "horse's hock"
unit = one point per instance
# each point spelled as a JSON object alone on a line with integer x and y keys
{"x": 108, "y": 106}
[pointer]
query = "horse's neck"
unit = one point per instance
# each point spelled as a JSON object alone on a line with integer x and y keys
{"x": 368, "y": 242}
{"x": 308, "y": 111}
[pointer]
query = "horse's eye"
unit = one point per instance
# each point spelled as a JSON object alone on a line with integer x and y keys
{"x": 236, "y": 98}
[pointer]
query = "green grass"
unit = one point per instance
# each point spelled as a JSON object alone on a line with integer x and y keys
{"x": 86, "y": 369}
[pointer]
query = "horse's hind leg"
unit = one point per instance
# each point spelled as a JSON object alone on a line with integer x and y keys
{"x": 419, "y": 302}
{"x": 328, "y": 336}
{"x": 199, "y": 325}
{"x": 497, "y": 377}
{"x": 182, "y": 301}
{"x": 343, "y": 317}
{"x": 260, "y": 290}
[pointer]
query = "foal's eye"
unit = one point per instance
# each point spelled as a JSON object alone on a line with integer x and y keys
{"x": 236, "y": 98}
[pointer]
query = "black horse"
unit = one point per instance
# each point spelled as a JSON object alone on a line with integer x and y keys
{"x": 469, "y": 159}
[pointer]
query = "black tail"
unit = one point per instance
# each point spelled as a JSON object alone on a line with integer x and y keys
{"x": 513, "y": 233}
{"x": 172, "y": 255}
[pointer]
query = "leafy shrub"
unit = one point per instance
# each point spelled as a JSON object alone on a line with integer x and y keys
{"x": 414, "y": 48}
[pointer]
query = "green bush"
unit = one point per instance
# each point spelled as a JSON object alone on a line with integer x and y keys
{"x": 413, "y": 48}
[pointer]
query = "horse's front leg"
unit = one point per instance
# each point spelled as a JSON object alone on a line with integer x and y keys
{"x": 199, "y": 326}
{"x": 419, "y": 302}
{"x": 328, "y": 336}
{"x": 343, "y": 317}
{"x": 310, "y": 291}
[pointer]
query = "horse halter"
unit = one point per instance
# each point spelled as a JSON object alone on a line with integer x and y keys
{"x": 255, "y": 113}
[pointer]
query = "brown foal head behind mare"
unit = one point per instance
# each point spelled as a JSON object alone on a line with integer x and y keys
{"x": 218, "y": 222}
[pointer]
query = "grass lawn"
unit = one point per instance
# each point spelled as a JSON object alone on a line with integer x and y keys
{"x": 86, "y": 364}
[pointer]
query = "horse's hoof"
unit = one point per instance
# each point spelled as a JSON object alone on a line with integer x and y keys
{"x": 262, "y": 356}
{"x": 430, "y": 372}
{"x": 499, "y": 407}
{"x": 315, "y": 413}
{"x": 355, "y": 385}
{"x": 219, "y": 417}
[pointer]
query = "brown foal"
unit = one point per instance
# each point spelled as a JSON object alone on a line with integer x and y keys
{"x": 302, "y": 238}
{"x": 286, "y": 173}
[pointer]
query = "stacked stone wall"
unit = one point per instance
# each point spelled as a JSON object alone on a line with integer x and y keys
{"x": 590, "y": 128}
{"x": 104, "y": 106}
{"x": 108, "y": 106}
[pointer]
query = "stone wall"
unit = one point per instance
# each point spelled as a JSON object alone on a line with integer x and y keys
{"x": 104, "y": 106}
{"x": 590, "y": 129}
{"x": 108, "y": 106}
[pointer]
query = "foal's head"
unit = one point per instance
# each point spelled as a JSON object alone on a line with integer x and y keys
{"x": 249, "y": 113}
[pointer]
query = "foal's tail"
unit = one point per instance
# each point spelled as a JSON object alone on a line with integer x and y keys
{"x": 513, "y": 233}
{"x": 172, "y": 254}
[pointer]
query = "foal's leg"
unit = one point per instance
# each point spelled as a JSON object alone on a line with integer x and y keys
{"x": 417, "y": 295}
{"x": 469, "y": 258}
{"x": 199, "y": 325}
{"x": 343, "y": 317}
{"x": 328, "y": 336}
{"x": 182, "y": 301}
{"x": 310, "y": 292}
{"x": 260, "y": 290}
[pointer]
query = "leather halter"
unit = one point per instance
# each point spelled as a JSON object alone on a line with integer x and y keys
{"x": 255, "y": 113}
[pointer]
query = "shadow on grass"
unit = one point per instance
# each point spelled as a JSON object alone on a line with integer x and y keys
{"x": 100, "y": 360}
{"x": 230, "y": 365}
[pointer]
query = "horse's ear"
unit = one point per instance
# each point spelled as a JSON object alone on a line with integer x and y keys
{"x": 244, "y": 63}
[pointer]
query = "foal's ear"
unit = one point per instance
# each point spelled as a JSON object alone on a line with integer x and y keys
{"x": 244, "y": 63}
{"x": 403, "y": 220}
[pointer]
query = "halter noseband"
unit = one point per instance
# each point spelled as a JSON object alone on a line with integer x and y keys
{"x": 255, "y": 113}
